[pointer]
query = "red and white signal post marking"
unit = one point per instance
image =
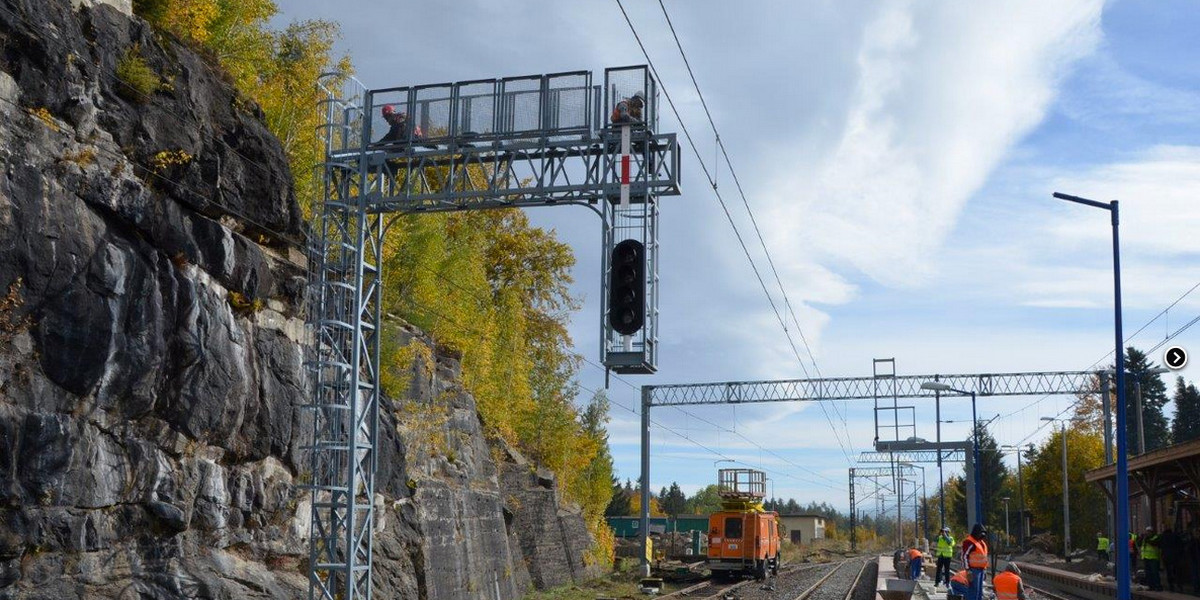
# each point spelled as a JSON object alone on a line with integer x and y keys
{"x": 624, "y": 166}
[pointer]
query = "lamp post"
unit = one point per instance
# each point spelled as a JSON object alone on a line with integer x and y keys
{"x": 1066, "y": 490}
{"x": 1006, "y": 534}
{"x": 1122, "y": 469}
{"x": 938, "y": 386}
{"x": 1020, "y": 495}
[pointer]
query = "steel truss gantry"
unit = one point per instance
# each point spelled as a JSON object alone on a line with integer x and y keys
{"x": 864, "y": 388}
{"x": 886, "y": 479}
{"x": 516, "y": 142}
{"x": 854, "y": 388}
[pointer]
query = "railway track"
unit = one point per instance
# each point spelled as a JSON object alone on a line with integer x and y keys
{"x": 828, "y": 581}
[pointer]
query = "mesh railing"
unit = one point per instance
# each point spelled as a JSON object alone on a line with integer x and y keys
{"x": 568, "y": 102}
{"x": 513, "y": 108}
{"x": 521, "y": 105}
{"x": 476, "y": 104}
{"x": 622, "y": 84}
{"x": 433, "y": 106}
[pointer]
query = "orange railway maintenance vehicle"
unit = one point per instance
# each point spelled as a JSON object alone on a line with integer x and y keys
{"x": 743, "y": 539}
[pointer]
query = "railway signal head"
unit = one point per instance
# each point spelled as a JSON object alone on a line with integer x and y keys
{"x": 627, "y": 287}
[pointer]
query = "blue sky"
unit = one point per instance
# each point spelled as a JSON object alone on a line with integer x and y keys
{"x": 899, "y": 157}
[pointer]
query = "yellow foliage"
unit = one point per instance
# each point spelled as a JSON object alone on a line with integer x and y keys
{"x": 635, "y": 505}
{"x": 242, "y": 304}
{"x": 45, "y": 117}
{"x": 169, "y": 158}
{"x": 191, "y": 19}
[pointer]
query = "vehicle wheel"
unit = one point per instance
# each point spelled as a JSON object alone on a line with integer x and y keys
{"x": 720, "y": 576}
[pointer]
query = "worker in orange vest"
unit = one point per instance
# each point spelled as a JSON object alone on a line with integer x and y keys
{"x": 975, "y": 556}
{"x": 960, "y": 584}
{"x": 1008, "y": 584}
{"x": 914, "y": 563}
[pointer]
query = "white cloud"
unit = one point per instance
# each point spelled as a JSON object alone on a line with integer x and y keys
{"x": 1058, "y": 255}
{"x": 944, "y": 92}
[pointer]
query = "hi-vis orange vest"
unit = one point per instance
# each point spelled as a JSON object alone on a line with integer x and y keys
{"x": 1006, "y": 585}
{"x": 914, "y": 553}
{"x": 962, "y": 577}
{"x": 977, "y": 556}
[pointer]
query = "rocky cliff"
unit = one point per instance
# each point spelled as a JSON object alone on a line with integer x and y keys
{"x": 151, "y": 331}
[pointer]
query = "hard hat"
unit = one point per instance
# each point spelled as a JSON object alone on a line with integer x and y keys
{"x": 388, "y": 110}
{"x": 1149, "y": 528}
{"x": 639, "y": 96}
{"x": 945, "y": 529}
{"x": 1013, "y": 568}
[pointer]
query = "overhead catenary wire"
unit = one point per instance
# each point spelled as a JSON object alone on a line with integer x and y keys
{"x": 482, "y": 301}
{"x": 737, "y": 232}
{"x": 442, "y": 316}
{"x": 720, "y": 146}
{"x": 1126, "y": 342}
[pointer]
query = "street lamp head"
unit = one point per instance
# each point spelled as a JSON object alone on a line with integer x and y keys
{"x": 936, "y": 386}
{"x": 1048, "y": 419}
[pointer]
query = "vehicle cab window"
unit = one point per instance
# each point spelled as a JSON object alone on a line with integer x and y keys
{"x": 733, "y": 527}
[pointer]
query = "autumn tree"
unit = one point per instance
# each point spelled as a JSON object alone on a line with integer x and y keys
{"x": 276, "y": 69}
{"x": 635, "y": 505}
{"x": 1043, "y": 481}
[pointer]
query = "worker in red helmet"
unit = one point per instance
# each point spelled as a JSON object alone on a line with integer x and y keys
{"x": 398, "y": 126}
{"x": 629, "y": 110}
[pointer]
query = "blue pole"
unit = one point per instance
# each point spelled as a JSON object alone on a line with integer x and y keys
{"x": 978, "y": 471}
{"x": 1122, "y": 474}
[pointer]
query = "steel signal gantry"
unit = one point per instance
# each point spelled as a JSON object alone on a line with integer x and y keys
{"x": 540, "y": 140}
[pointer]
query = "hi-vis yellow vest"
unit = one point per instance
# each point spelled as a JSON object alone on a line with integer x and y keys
{"x": 945, "y": 546}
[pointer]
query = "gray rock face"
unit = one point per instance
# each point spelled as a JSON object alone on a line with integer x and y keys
{"x": 151, "y": 434}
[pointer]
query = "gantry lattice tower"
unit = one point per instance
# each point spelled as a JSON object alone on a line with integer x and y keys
{"x": 537, "y": 140}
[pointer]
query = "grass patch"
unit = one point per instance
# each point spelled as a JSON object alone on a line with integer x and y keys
{"x": 597, "y": 588}
{"x": 140, "y": 81}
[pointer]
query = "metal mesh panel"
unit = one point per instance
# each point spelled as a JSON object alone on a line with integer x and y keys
{"x": 476, "y": 110}
{"x": 342, "y": 109}
{"x": 568, "y": 102}
{"x": 397, "y": 102}
{"x": 520, "y": 104}
{"x": 433, "y": 111}
{"x": 621, "y": 84}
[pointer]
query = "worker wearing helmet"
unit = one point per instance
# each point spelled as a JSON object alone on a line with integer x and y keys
{"x": 1008, "y": 584}
{"x": 629, "y": 110}
{"x": 398, "y": 126}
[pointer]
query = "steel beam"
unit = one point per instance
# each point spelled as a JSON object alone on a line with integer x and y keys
{"x": 864, "y": 388}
